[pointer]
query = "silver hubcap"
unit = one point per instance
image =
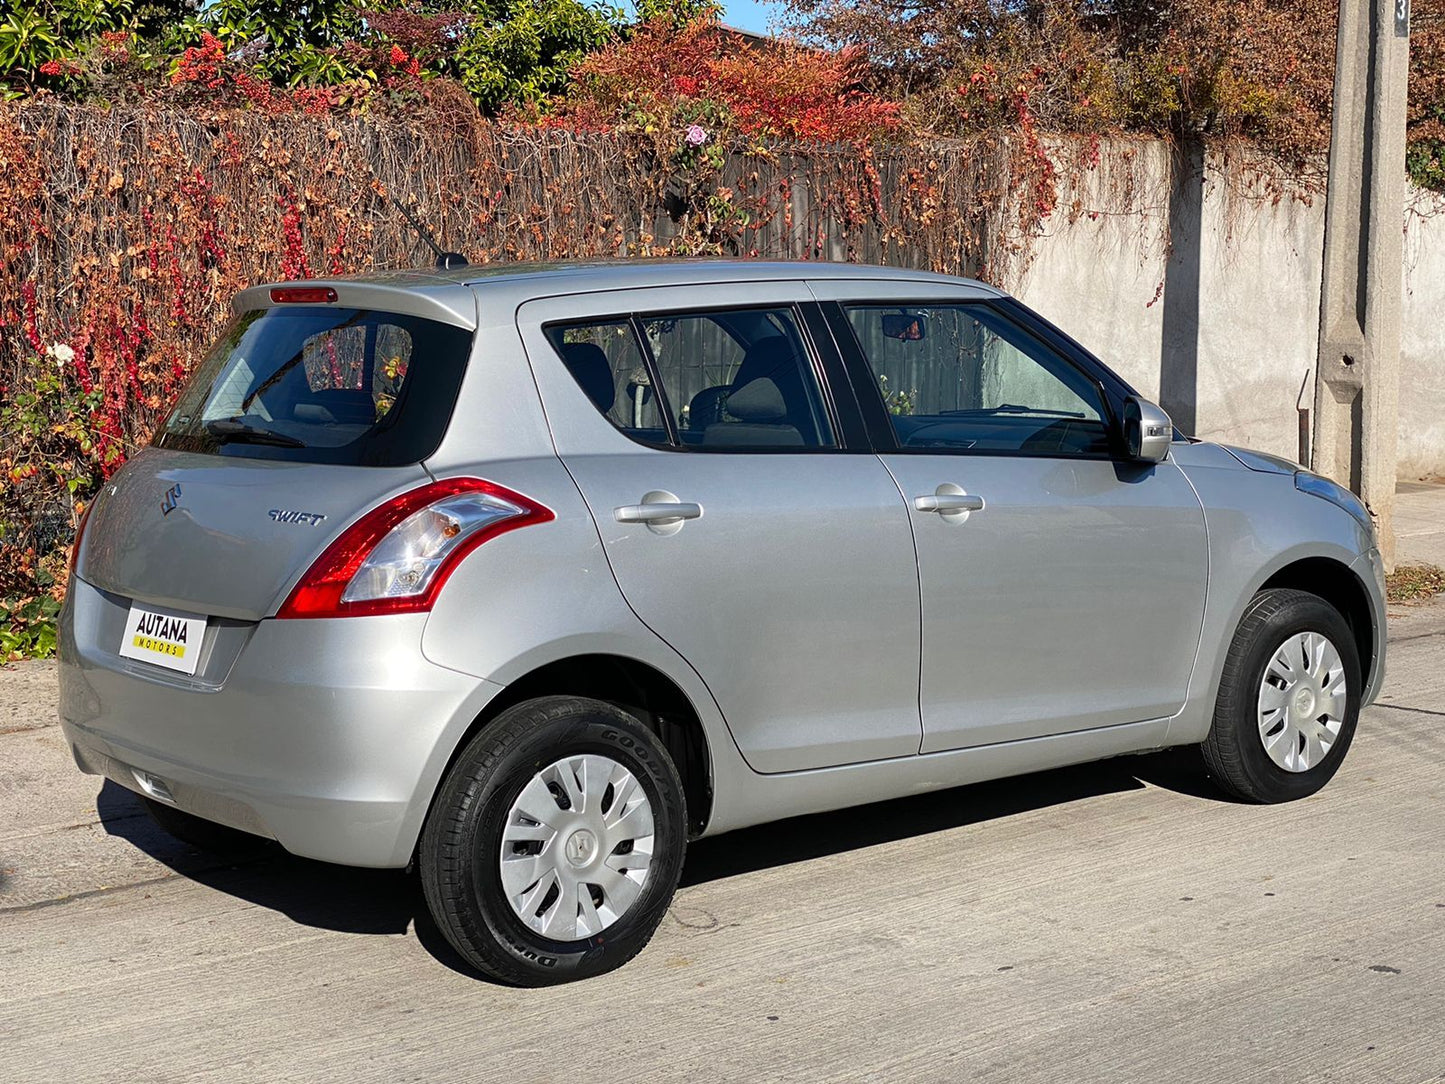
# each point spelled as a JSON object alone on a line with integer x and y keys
{"x": 577, "y": 847}
{"x": 1302, "y": 701}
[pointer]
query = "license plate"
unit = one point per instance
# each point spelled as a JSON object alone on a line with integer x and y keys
{"x": 167, "y": 638}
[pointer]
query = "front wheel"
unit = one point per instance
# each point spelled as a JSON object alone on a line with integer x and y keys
{"x": 555, "y": 843}
{"x": 1289, "y": 699}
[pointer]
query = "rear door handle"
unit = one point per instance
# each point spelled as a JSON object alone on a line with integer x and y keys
{"x": 949, "y": 502}
{"x": 660, "y": 513}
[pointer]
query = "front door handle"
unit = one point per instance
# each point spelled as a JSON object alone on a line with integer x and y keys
{"x": 949, "y": 502}
{"x": 660, "y": 511}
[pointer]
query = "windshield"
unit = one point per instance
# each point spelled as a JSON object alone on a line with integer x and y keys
{"x": 322, "y": 384}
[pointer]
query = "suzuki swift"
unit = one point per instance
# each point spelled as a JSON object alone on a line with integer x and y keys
{"x": 528, "y": 575}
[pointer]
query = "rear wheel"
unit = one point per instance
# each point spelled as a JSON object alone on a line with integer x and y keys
{"x": 1289, "y": 699}
{"x": 556, "y": 842}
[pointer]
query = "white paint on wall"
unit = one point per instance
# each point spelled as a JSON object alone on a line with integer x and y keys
{"x": 1422, "y": 340}
{"x": 1100, "y": 274}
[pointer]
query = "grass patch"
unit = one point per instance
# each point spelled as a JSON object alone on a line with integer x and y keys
{"x": 1414, "y": 583}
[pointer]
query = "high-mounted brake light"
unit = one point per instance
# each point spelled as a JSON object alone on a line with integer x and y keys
{"x": 302, "y": 295}
{"x": 396, "y": 558}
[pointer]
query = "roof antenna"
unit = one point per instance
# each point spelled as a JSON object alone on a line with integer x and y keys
{"x": 446, "y": 261}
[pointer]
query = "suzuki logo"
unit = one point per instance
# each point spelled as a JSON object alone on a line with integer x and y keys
{"x": 172, "y": 498}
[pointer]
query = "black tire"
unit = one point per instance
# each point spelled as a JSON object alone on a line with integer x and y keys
{"x": 204, "y": 835}
{"x": 1234, "y": 753}
{"x": 461, "y": 844}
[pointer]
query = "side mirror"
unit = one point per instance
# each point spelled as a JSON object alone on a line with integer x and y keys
{"x": 1148, "y": 432}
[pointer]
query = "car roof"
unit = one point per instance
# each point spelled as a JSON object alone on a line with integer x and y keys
{"x": 434, "y": 292}
{"x": 592, "y": 275}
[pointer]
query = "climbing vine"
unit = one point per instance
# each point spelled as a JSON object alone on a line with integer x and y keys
{"x": 158, "y": 156}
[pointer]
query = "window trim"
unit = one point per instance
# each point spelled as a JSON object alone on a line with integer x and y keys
{"x": 843, "y": 433}
{"x": 654, "y": 374}
{"x": 875, "y": 412}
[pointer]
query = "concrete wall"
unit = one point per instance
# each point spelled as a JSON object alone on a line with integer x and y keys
{"x": 1203, "y": 290}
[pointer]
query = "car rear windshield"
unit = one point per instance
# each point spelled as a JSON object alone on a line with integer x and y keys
{"x": 321, "y": 384}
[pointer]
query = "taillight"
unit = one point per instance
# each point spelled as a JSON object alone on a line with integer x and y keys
{"x": 396, "y": 558}
{"x": 79, "y": 536}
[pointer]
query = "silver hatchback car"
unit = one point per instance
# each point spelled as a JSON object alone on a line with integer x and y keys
{"x": 528, "y": 575}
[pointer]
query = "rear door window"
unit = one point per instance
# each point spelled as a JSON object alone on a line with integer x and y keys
{"x": 325, "y": 385}
{"x": 725, "y": 380}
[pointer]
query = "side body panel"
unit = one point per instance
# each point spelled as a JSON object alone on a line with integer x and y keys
{"x": 794, "y": 595}
{"x": 744, "y": 798}
{"x": 1259, "y": 524}
{"x": 1072, "y": 600}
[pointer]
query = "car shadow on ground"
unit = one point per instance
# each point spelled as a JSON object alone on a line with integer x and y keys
{"x": 341, "y": 898}
{"x": 803, "y": 838}
{"x": 370, "y": 901}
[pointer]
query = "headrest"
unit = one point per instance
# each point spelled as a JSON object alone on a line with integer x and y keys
{"x": 590, "y": 368}
{"x": 764, "y": 359}
{"x": 758, "y": 401}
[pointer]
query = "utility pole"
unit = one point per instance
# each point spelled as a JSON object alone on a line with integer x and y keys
{"x": 1357, "y": 388}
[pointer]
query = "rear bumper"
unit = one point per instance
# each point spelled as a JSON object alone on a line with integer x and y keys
{"x": 329, "y": 736}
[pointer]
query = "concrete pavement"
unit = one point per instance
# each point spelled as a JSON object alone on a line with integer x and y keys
{"x": 1420, "y": 523}
{"x": 1114, "y": 922}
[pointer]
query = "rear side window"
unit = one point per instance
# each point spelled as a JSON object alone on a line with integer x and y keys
{"x": 322, "y": 384}
{"x": 607, "y": 361}
{"x": 725, "y": 380}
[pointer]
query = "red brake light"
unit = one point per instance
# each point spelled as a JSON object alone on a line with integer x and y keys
{"x": 396, "y": 558}
{"x": 79, "y": 536}
{"x": 302, "y": 295}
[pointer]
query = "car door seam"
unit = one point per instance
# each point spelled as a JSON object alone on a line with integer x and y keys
{"x": 1204, "y": 609}
{"x": 918, "y": 577}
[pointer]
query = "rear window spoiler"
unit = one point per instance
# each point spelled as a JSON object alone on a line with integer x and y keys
{"x": 420, "y": 295}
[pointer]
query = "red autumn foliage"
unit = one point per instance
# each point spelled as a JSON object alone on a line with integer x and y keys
{"x": 665, "y": 76}
{"x": 205, "y": 75}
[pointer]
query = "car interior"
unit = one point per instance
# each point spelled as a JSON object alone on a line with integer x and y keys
{"x": 743, "y": 377}
{"x": 963, "y": 377}
{"x": 952, "y": 377}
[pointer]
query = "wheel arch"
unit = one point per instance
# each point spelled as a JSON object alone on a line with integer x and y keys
{"x": 1337, "y": 584}
{"x": 636, "y": 687}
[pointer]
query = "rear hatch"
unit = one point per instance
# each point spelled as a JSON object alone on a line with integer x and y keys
{"x": 222, "y": 536}
{"x": 307, "y": 414}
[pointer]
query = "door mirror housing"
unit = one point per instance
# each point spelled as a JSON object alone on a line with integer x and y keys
{"x": 1148, "y": 432}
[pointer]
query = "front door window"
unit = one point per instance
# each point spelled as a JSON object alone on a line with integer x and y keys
{"x": 961, "y": 377}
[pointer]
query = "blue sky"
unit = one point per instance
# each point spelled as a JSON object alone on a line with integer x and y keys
{"x": 754, "y": 15}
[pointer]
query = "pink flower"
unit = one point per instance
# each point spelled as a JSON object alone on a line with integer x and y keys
{"x": 696, "y": 135}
